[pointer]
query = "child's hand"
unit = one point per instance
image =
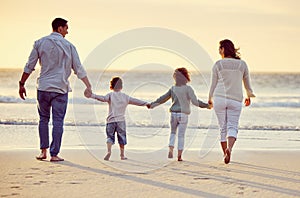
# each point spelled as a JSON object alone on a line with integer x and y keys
{"x": 148, "y": 106}
{"x": 88, "y": 93}
{"x": 210, "y": 104}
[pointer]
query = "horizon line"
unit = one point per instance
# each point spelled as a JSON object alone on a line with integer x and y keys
{"x": 140, "y": 70}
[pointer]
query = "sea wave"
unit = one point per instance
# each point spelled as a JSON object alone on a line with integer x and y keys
{"x": 293, "y": 102}
{"x": 12, "y": 99}
{"x": 204, "y": 127}
{"x": 276, "y": 104}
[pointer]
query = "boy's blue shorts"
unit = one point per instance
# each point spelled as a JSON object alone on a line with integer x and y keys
{"x": 120, "y": 129}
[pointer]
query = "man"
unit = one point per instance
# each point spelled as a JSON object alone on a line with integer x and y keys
{"x": 57, "y": 58}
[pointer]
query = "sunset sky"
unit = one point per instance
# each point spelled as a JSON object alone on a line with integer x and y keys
{"x": 266, "y": 31}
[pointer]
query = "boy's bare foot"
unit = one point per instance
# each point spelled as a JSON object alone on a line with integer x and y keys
{"x": 227, "y": 156}
{"x": 56, "y": 159}
{"x": 107, "y": 156}
{"x": 170, "y": 155}
{"x": 180, "y": 159}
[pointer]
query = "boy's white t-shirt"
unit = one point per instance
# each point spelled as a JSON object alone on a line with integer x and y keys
{"x": 117, "y": 102}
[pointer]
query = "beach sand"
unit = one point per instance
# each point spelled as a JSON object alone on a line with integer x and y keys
{"x": 252, "y": 173}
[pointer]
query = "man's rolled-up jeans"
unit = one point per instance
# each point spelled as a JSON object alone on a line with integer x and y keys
{"x": 56, "y": 102}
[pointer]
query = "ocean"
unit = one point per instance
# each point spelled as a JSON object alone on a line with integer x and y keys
{"x": 276, "y": 107}
{"x": 271, "y": 122}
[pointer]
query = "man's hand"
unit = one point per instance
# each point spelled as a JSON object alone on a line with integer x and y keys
{"x": 88, "y": 93}
{"x": 22, "y": 92}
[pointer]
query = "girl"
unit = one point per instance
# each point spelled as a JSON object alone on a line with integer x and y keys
{"x": 182, "y": 95}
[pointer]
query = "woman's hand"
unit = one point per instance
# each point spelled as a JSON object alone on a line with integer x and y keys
{"x": 247, "y": 102}
{"x": 210, "y": 104}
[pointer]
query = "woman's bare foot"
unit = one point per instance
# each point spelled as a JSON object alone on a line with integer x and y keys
{"x": 179, "y": 155}
{"x": 107, "y": 156}
{"x": 227, "y": 156}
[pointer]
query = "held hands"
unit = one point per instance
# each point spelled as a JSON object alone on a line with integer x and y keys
{"x": 149, "y": 106}
{"x": 210, "y": 104}
{"x": 88, "y": 92}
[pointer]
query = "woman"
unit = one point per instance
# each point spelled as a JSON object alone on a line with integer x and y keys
{"x": 226, "y": 88}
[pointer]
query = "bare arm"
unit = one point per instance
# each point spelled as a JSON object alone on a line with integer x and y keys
{"x": 86, "y": 81}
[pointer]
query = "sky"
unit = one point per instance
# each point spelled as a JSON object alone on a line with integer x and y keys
{"x": 267, "y": 32}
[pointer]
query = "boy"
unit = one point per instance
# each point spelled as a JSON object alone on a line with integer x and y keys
{"x": 117, "y": 102}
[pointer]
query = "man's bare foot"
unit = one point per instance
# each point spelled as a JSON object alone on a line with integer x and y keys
{"x": 56, "y": 159}
{"x": 170, "y": 155}
{"x": 227, "y": 156}
{"x": 180, "y": 159}
{"x": 107, "y": 156}
{"x": 43, "y": 155}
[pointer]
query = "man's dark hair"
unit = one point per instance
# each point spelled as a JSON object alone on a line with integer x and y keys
{"x": 57, "y": 22}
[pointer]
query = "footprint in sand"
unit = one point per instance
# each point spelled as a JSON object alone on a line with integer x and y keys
{"x": 74, "y": 182}
{"x": 202, "y": 178}
{"x": 15, "y": 187}
{"x": 40, "y": 182}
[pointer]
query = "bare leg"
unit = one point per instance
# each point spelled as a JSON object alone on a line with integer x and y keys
{"x": 170, "y": 151}
{"x": 230, "y": 143}
{"x": 43, "y": 155}
{"x": 224, "y": 147}
{"x": 109, "y": 145}
{"x": 179, "y": 155}
{"x": 122, "y": 152}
